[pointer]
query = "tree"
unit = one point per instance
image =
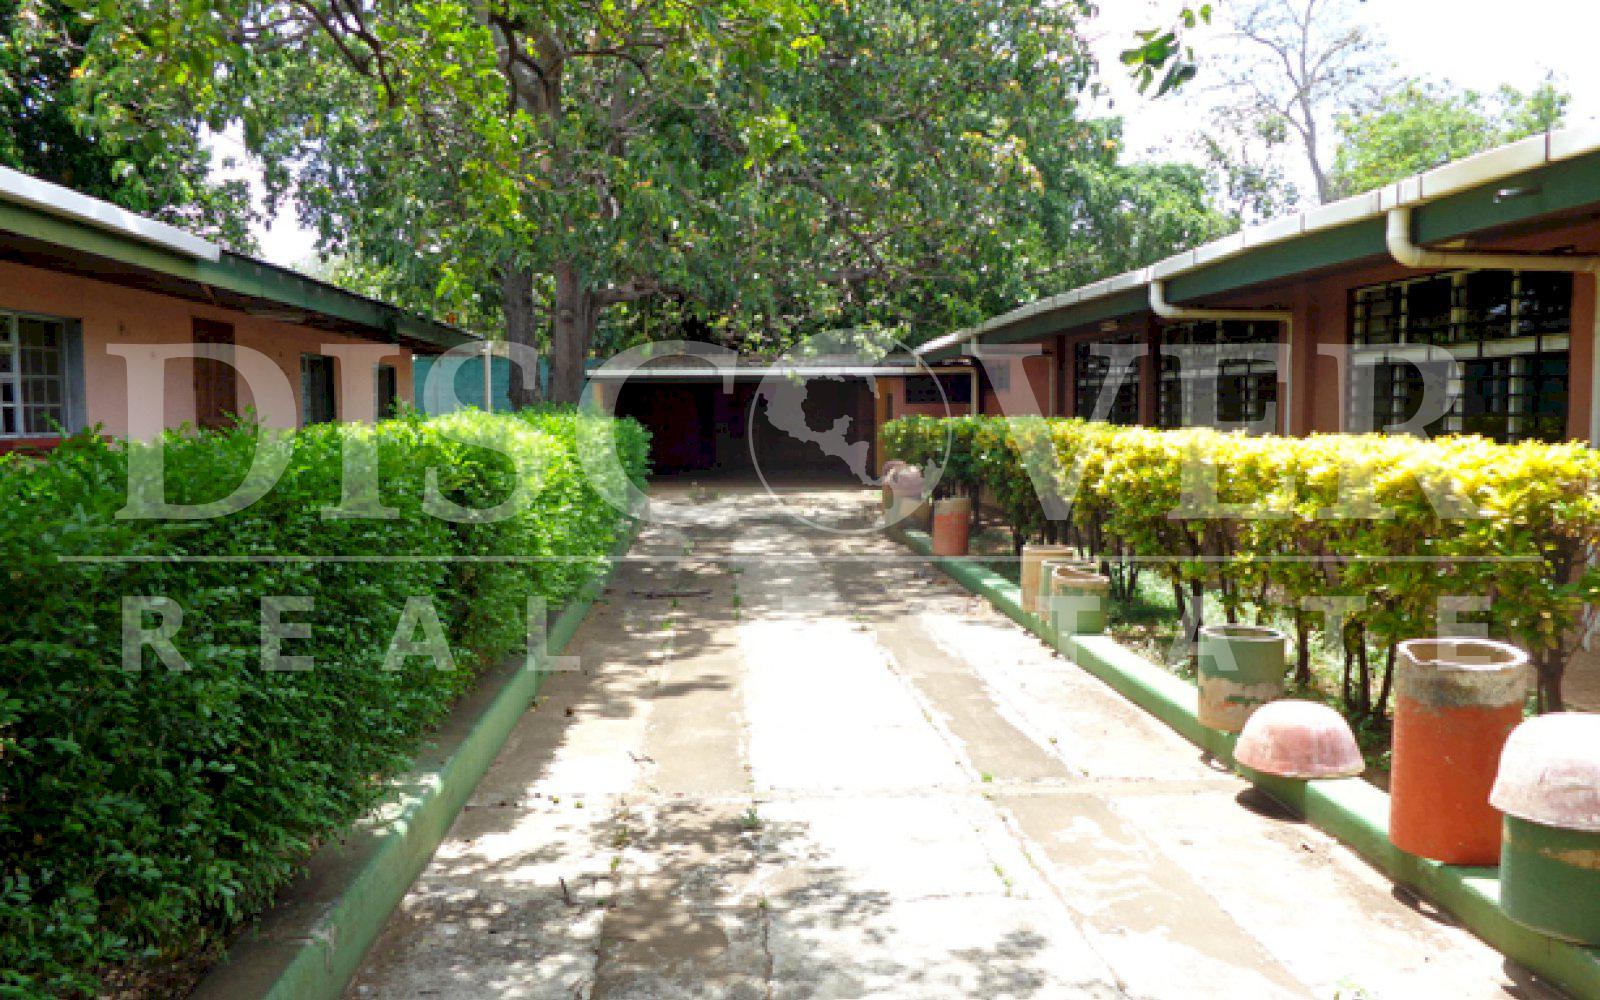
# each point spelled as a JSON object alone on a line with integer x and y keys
{"x": 746, "y": 170}
{"x": 1425, "y": 125}
{"x": 1296, "y": 65}
{"x": 942, "y": 172}
{"x": 581, "y": 144}
{"x": 102, "y": 145}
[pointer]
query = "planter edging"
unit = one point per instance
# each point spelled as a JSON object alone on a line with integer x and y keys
{"x": 310, "y": 944}
{"x": 1349, "y": 809}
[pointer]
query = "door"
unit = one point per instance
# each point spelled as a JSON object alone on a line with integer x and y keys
{"x": 216, "y": 387}
{"x": 388, "y": 392}
{"x": 317, "y": 400}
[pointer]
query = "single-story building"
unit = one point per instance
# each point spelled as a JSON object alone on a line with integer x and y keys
{"x": 1491, "y": 260}
{"x": 813, "y": 420}
{"x": 91, "y": 294}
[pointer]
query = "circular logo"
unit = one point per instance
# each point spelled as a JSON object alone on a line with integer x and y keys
{"x": 812, "y": 423}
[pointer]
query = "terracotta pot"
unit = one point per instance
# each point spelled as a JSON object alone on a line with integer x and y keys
{"x": 1456, "y": 703}
{"x": 952, "y": 519}
{"x": 1299, "y": 739}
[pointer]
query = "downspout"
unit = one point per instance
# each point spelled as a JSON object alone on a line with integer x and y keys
{"x": 488, "y": 375}
{"x": 1166, "y": 310}
{"x": 1405, "y": 251}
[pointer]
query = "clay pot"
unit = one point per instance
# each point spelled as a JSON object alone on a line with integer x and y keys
{"x": 1078, "y": 599}
{"x": 1299, "y": 739}
{"x": 1032, "y": 557}
{"x": 890, "y": 468}
{"x": 952, "y": 519}
{"x": 909, "y": 508}
{"x": 1456, "y": 703}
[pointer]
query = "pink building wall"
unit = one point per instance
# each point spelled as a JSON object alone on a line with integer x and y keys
{"x": 116, "y": 315}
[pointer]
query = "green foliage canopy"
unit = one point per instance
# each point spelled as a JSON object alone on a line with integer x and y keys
{"x": 1424, "y": 125}
{"x": 104, "y": 142}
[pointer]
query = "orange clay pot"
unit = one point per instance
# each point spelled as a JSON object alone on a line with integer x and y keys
{"x": 952, "y": 517}
{"x": 1457, "y": 701}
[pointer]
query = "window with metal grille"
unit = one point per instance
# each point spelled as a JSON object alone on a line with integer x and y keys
{"x": 1089, "y": 374}
{"x": 33, "y": 375}
{"x": 1508, "y": 331}
{"x": 1244, "y": 387}
{"x": 922, "y": 389}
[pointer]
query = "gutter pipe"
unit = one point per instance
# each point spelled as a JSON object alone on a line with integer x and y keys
{"x": 1408, "y": 253}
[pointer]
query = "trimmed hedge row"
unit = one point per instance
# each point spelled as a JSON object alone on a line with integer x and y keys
{"x": 1282, "y": 524}
{"x": 143, "y": 814}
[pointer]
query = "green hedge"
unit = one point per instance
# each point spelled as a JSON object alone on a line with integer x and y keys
{"x": 144, "y": 814}
{"x": 1517, "y": 524}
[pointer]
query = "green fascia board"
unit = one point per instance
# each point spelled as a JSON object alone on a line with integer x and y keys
{"x": 232, "y": 272}
{"x": 1312, "y": 252}
{"x": 1553, "y": 188}
{"x": 1561, "y": 187}
{"x": 1129, "y": 302}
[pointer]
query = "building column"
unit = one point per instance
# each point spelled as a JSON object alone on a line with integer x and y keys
{"x": 1150, "y": 372}
{"x": 1300, "y": 385}
{"x": 1583, "y": 374}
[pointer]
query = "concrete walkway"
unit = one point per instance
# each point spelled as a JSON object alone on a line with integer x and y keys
{"x": 793, "y": 763}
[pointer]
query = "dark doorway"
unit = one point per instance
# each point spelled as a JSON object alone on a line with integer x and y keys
{"x": 317, "y": 393}
{"x": 823, "y": 429}
{"x": 216, "y": 386}
{"x": 388, "y": 392}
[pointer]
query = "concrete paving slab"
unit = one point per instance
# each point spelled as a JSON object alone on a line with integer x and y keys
{"x": 825, "y": 771}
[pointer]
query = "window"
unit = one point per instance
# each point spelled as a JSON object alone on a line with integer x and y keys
{"x": 1245, "y": 387}
{"x": 1508, "y": 332}
{"x": 34, "y": 368}
{"x": 388, "y": 392}
{"x": 1089, "y": 374}
{"x": 923, "y": 390}
{"x": 316, "y": 390}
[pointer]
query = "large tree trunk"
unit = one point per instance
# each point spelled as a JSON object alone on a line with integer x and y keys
{"x": 516, "y": 295}
{"x": 572, "y": 328}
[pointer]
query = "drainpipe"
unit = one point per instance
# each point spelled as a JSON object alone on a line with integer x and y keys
{"x": 488, "y": 375}
{"x": 1404, "y": 251}
{"x": 1166, "y": 310}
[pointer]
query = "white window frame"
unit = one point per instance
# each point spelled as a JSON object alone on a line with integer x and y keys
{"x": 11, "y": 335}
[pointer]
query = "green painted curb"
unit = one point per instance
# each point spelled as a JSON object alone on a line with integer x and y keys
{"x": 1355, "y": 812}
{"x": 309, "y": 945}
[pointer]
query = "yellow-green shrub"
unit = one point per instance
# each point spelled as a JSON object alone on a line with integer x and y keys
{"x": 1275, "y": 522}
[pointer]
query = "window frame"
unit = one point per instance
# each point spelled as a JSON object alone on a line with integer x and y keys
{"x": 1252, "y": 382}
{"x": 67, "y": 404}
{"x": 393, "y": 399}
{"x": 1087, "y": 384}
{"x": 1514, "y": 338}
